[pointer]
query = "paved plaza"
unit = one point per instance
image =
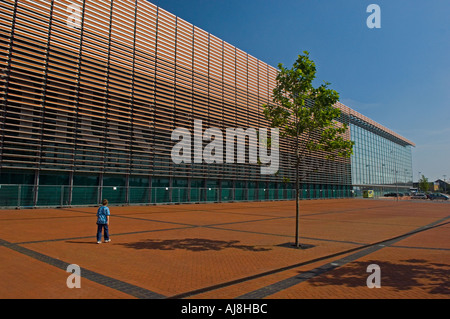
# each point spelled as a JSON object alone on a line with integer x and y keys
{"x": 230, "y": 250}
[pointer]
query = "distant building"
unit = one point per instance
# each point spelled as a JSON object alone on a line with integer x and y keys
{"x": 436, "y": 186}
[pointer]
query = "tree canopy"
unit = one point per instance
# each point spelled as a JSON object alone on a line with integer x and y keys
{"x": 307, "y": 115}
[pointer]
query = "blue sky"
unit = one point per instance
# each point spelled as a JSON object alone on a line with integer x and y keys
{"x": 398, "y": 75}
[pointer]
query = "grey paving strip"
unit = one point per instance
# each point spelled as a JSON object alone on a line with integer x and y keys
{"x": 183, "y": 226}
{"x": 186, "y": 227}
{"x": 416, "y": 247}
{"x": 139, "y": 218}
{"x": 251, "y": 221}
{"x": 197, "y": 207}
{"x": 267, "y": 217}
{"x": 343, "y": 211}
{"x": 284, "y": 235}
{"x": 297, "y": 279}
{"x": 212, "y": 226}
{"x": 269, "y": 290}
{"x": 109, "y": 282}
{"x": 215, "y": 226}
{"x": 301, "y": 213}
{"x": 41, "y": 218}
{"x": 93, "y": 237}
{"x": 356, "y": 223}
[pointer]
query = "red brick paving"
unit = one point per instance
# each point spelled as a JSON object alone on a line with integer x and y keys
{"x": 175, "y": 249}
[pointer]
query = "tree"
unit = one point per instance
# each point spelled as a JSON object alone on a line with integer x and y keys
{"x": 308, "y": 117}
{"x": 424, "y": 185}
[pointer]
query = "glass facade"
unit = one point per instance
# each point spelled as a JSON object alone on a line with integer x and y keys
{"x": 380, "y": 162}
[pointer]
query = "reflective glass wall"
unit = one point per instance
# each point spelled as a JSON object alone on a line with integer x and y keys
{"x": 380, "y": 162}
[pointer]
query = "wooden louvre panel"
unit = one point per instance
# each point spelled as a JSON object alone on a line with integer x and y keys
{"x": 27, "y": 58}
{"x": 92, "y": 90}
{"x": 142, "y": 142}
{"x": 215, "y": 82}
{"x": 254, "y": 109}
{"x": 164, "y": 89}
{"x": 229, "y": 84}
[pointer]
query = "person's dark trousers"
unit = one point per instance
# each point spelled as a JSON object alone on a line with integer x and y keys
{"x": 100, "y": 227}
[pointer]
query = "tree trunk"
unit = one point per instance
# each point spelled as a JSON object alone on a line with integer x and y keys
{"x": 297, "y": 191}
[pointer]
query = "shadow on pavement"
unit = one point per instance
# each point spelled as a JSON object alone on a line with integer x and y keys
{"x": 408, "y": 274}
{"x": 192, "y": 244}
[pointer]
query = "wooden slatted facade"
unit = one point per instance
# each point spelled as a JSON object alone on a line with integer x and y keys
{"x": 97, "y": 87}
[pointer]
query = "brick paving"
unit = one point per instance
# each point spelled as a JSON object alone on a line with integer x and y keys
{"x": 230, "y": 250}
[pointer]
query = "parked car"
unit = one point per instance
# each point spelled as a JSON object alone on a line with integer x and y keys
{"x": 393, "y": 195}
{"x": 438, "y": 196}
{"x": 419, "y": 196}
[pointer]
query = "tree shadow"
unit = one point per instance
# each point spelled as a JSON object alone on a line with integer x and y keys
{"x": 402, "y": 276}
{"x": 192, "y": 244}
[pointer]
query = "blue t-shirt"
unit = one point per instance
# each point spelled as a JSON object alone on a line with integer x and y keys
{"x": 102, "y": 212}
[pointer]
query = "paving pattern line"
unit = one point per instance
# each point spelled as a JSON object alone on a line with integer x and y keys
{"x": 140, "y": 292}
{"x": 304, "y": 276}
{"x": 357, "y": 253}
{"x": 93, "y": 237}
{"x": 224, "y": 211}
{"x": 119, "y": 285}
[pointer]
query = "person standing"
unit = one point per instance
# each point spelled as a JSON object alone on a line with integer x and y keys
{"x": 103, "y": 214}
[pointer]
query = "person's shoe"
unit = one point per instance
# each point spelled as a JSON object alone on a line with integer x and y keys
{"x": 107, "y": 241}
{"x": 99, "y": 242}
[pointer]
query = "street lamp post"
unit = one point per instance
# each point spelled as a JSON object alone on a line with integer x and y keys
{"x": 406, "y": 178}
{"x": 445, "y": 184}
{"x": 396, "y": 183}
{"x": 418, "y": 182}
{"x": 395, "y": 169}
{"x": 368, "y": 175}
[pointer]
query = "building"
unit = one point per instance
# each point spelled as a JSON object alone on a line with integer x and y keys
{"x": 91, "y": 92}
{"x": 382, "y": 159}
{"x": 438, "y": 185}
